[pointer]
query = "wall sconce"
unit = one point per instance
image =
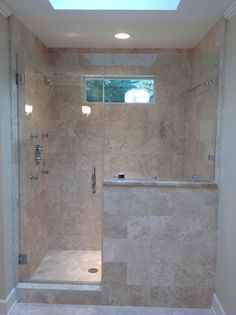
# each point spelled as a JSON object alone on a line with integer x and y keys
{"x": 28, "y": 110}
{"x": 86, "y": 110}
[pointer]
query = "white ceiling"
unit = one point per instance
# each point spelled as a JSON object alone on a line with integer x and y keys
{"x": 94, "y": 29}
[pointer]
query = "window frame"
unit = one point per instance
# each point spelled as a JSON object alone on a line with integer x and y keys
{"x": 117, "y": 77}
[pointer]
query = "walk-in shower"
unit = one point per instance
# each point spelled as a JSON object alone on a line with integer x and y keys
{"x": 170, "y": 135}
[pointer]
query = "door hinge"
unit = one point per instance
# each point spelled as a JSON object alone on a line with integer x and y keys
{"x": 22, "y": 259}
{"x": 211, "y": 157}
{"x": 20, "y": 78}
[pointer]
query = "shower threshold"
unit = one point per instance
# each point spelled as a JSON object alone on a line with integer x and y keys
{"x": 69, "y": 266}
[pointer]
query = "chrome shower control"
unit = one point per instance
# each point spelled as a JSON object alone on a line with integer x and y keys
{"x": 38, "y": 148}
{"x": 37, "y": 154}
{"x": 44, "y": 135}
{"x": 38, "y": 158}
{"x": 34, "y": 136}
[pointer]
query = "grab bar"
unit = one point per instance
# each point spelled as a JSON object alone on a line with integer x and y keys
{"x": 94, "y": 180}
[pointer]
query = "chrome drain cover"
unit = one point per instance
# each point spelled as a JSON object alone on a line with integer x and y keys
{"x": 93, "y": 270}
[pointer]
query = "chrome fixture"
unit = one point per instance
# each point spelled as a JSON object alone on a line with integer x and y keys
{"x": 38, "y": 154}
{"x": 44, "y": 135}
{"x": 211, "y": 157}
{"x": 32, "y": 177}
{"x": 22, "y": 259}
{"x": 20, "y": 78}
{"x": 45, "y": 172}
{"x": 94, "y": 180}
{"x": 34, "y": 136}
{"x": 39, "y": 159}
{"x": 207, "y": 83}
{"x": 47, "y": 81}
{"x": 38, "y": 148}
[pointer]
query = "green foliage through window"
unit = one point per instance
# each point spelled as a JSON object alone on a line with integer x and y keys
{"x": 119, "y": 90}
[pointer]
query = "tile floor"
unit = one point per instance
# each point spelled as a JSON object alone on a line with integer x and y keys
{"x": 69, "y": 266}
{"x": 45, "y": 309}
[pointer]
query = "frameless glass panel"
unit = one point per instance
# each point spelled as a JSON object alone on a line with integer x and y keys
{"x": 131, "y": 130}
{"x": 173, "y": 138}
{"x": 61, "y": 156}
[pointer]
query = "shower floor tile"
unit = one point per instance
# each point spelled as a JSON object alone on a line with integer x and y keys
{"x": 69, "y": 266}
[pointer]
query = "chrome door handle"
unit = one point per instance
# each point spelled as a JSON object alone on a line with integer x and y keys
{"x": 94, "y": 180}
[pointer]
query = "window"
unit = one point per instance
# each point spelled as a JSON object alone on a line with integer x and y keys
{"x": 119, "y": 89}
{"x": 115, "y": 5}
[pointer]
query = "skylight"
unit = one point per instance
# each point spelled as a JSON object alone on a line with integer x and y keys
{"x": 115, "y": 5}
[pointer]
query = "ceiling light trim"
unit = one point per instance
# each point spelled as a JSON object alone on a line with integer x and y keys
{"x": 231, "y": 11}
{"x": 4, "y": 9}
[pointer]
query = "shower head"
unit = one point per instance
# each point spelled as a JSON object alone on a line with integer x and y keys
{"x": 47, "y": 81}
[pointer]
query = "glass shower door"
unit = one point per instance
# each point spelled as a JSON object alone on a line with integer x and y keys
{"x": 61, "y": 221}
{"x": 33, "y": 113}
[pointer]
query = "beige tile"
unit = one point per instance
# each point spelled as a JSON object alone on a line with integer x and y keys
{"x": 69, "y": 266}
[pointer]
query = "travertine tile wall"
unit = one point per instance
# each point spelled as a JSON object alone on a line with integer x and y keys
{"x": 159, "y": 245}
{"x": 204, "y": 105}
{"x": 141, "y": 140}
{"x": 28, "y": 55}
{"x": 159, "y": 249}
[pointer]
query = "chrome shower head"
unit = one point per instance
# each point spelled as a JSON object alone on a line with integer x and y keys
{"x": 47, "y": 81}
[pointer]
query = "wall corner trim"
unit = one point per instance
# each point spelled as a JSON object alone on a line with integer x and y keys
{"x": 231, "y": 11}
{"x": 4, "y": 9}
{"x": 217, "y": 307}
{"x": 7, "y": 304}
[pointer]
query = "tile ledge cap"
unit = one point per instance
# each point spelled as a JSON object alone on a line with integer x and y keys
{"x": 155, "y": 183}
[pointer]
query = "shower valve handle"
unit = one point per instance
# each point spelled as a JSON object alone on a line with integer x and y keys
{"x": 38, "y": 148}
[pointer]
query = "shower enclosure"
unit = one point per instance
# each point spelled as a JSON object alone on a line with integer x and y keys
{"x": 65, "y": 155}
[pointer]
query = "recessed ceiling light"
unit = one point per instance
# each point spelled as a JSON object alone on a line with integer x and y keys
{"x": 122, "y": 36}
{"x": 115, "y": 5}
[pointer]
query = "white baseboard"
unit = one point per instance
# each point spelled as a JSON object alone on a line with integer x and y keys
{"x": 7, "y": 304}
{"x": 217, "y": 307}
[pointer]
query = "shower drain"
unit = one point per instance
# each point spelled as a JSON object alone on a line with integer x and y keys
{"x": 93, "y": 270}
